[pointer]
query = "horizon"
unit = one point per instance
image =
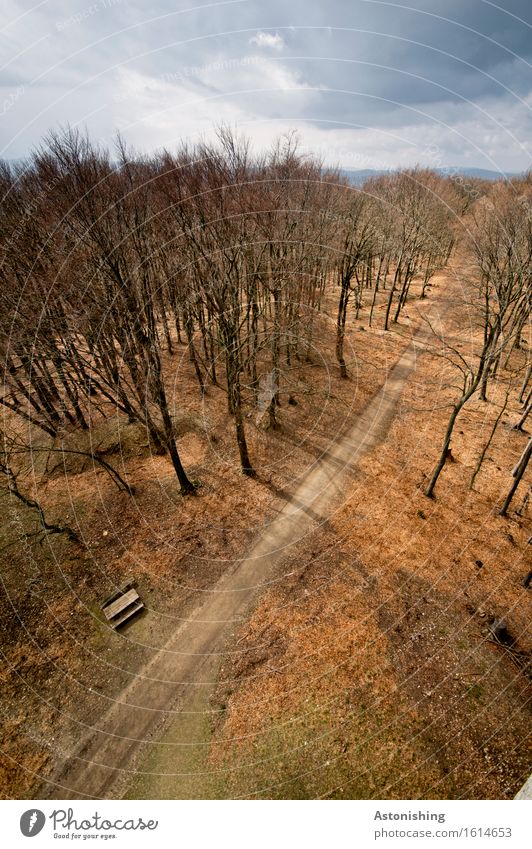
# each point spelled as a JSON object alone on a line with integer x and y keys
{"x": 445, "y": 170}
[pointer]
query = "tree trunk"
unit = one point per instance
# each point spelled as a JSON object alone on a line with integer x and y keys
{"x": 488, "y": 443}
{"x": 340, "y": 326}
{"x": 522, "y": 420}
{"x": 445, "y": 448}
{"x": 189, "y": 330}
{"x": 525, "y": 383}
{"x": 276, "y": 346}
{"x": 517, "y": 473}
{"x": 245, "y": 462}
{"x": 390, "y": 297}
{"x": 159, "y": 395}
{"x": 402, "y": 294}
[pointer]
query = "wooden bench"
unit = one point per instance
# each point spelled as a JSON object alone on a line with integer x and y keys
{"x": 122, "y": 605}
{"x": 117, "y": 593}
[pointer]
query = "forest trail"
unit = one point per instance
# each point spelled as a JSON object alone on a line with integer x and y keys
{"x": 162, "y": 716}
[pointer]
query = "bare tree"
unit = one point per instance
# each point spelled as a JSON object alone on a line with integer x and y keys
{"x": 501, "y": 296}
{"x": 517, "y": 475}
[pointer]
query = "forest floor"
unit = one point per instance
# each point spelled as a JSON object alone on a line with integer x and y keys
{"x": 63, "y": 666}
{"x": 366, "y": 668}
{"x": 172, "y": 692}
{"x": 371, "y": 672}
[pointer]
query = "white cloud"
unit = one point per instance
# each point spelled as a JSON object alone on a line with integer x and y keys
{"x": 267, "y": 39}
{"x": 154, "y": 112}
{"x": 251, "y": 74}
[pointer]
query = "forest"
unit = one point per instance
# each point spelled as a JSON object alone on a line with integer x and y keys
{"x": 109, "y": 261}
{"x": 132, "y": 282}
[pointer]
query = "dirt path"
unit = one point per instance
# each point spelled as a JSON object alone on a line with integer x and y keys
{"x": 162, "y": 716}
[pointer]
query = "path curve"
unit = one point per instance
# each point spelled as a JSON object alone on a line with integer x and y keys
{"x": 169, "y": 684}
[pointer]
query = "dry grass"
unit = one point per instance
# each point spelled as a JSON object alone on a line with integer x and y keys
{"x": 371, "y": 672}
{"x": 62, "y": 666}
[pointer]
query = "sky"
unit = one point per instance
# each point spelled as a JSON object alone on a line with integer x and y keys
{"x": 366, "y": 83}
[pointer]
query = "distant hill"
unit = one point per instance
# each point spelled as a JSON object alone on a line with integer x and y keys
{"x": 360, "y": 176}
